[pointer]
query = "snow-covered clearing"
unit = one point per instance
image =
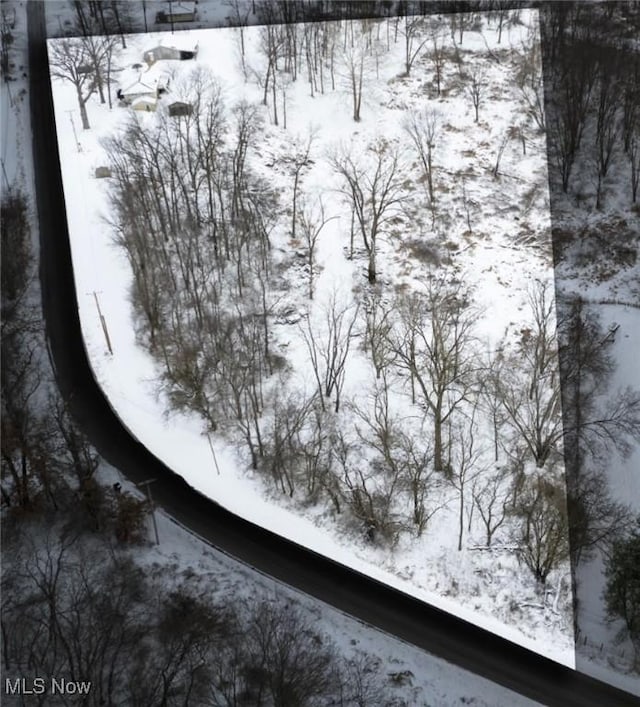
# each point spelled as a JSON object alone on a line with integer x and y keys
{"x": 490, "y": 233}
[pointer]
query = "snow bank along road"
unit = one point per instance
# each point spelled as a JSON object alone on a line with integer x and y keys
{"x": 441, "y": 634}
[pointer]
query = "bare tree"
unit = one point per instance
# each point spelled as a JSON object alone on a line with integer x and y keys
{"x": 598, "y": 420}
{"x": 501, "y": 14}
{"x": 595, "y": 517}
{"x": 529, "y": 79}
{"x": 372, "y": 486}
{"x": 434, "y": 344}
{"x": 420, "y": 481}
{"x": 501, "y": 148}
{"x": 239, "y": 19}
{"x": 542, "y": 532}
{"x": 437, "y": 55}
{"x": 529, "y": 384}
{"x": 607, "y": 123}
{"x": 382, "y": 430}
{"x": 98, "y": 37}
{"x": 378, "y": 327}
{"x": 570, "y": 113}
{"x": 476, "y": 89}
{"x": 25, "y": 425}
{"x": 79, "y": 614}
{"x": 123, "y": 19}
{"x": 282, "y": 644}
{"x": 464, "y": 458}
{"x": 617, "y": 425}
{"x": 329, "y": 348}
{"x": 299, "y": 160}
{"x": 414, "y": 40}
{"x": 271, "y": 42}
{"x": 375, "y": 191}
{"x": 423, "y": 128}
{"x": 355, "y": 59}
{"x": 587, "y": 365}
{"x": 69, "y": 59}
{"x": 286, "y": 449}
{"x": 492, "y": 500}
{"x": 361, "y": 683}
{"x": 312, "y": 221}
{"x": 491, "y": 402}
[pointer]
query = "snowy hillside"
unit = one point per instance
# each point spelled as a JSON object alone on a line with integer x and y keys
{"x": 341, "y": 329}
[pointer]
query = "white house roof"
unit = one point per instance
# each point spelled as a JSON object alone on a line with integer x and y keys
{"x": 140, "y": 87}
{"x": 135, "y": 81}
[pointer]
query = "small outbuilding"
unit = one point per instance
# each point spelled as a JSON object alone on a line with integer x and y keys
{"x": 173, "y": 53}
{"x": 179, "y": 108}
{"x": 102, "y": 172}
{"x": 177, "y": 12}
{"x": 160, "y": 52}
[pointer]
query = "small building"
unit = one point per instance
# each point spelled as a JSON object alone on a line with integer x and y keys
{"x": 179, "y": 108}
{"x": 177, "y": 12}
{"x": 157, "y": 53}
{"x": 102, "y": 172}
{"x": 145, "y": 103}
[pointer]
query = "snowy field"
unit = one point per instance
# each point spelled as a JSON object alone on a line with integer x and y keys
{"x": 491, "y": 232}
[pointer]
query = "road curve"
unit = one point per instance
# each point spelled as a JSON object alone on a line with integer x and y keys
{"x": 435, "y": 631}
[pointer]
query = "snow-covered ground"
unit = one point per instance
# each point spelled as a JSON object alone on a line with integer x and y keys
{"x": 507, "y": 248}
{"x": 432, "y": 681}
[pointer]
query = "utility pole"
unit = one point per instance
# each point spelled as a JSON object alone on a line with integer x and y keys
{"x": 213, "y": 453}
{"x": 103, "y": 322}
{"x": 75, "y": 134}
{"x": 146, "y": 485}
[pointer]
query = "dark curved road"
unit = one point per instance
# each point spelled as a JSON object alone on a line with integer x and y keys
{"x": 437, "y": 632}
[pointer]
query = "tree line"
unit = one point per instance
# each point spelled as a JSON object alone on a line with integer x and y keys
{"x": 80, "y": 609}
{"x": 77, "y": 601}
{"x": 593, "y": 101}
